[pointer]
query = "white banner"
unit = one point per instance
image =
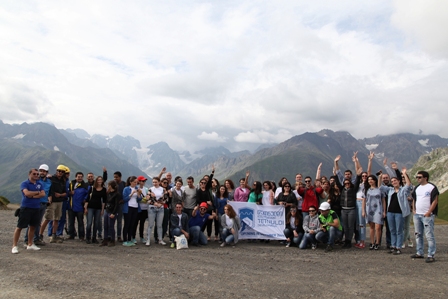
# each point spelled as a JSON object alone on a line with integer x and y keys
{"x": 260, "y": 222}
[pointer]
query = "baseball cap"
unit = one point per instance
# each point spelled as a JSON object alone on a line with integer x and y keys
{"x": 44, "y": 167}
{"x": 142, "y": 178}
{"x": 203, "y": 205}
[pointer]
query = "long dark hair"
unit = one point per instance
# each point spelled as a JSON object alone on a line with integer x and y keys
{"x": 298, "y": 221}
{"x": 367, "y": 185}
{"x": 257, "y": 189}
{"x": 280, "y": 184}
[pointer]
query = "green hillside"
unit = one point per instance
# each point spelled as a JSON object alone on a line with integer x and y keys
{"x": 443, "y": 206}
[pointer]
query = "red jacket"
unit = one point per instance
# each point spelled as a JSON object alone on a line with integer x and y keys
{"x": 309, "y": 196}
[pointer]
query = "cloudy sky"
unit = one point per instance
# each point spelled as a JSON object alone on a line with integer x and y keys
{"x": 232, "y": 73}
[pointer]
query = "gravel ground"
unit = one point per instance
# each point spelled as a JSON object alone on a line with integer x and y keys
{"x": 255, "y": 270}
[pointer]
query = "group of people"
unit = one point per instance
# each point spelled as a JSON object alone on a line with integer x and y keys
{"x": 330, "y": 210}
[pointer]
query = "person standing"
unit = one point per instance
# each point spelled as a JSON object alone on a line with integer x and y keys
{"x": 120, "y": 187}
{"x": 78, "y": 193}
{"x": 46, "y": 185}
{"x": 32, "y": 192}
{"x": 426, "y": 196}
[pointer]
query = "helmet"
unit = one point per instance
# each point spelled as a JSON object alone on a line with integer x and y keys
{"x": 61, "y": 167}
{"x": 44, "y": 167}
{"x": 67, "y": 170}
{"x": 324, "y": 206}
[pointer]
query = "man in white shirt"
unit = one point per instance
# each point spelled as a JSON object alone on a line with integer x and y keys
{"x": 425, "y": 209}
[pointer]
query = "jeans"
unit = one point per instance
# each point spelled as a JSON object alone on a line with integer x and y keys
{"x": 227, "y": 236}
{"x": 425, "y": 225}
{"x": 129, "y": 222}
{"x": 290, "y": 234}
{"x": 91, "y": 214}
{"x": 197, "y": 236}
{"x": 109, "y": 226}
{"x": 155, "y": 215}
{"x": 361, "y": 222}
{"x": 119, "y": 220}
{"x": 329, "y": 236}
{"x": 396, "y": 222}
{"x": 307, "y": 237}
{"x": 42, "y": 208}
{"x": 71, "y": 223}
{"x": 176, "y": 232}
{"x": 349, "y": 221}
{"x": 406, "y": 229}
{"x": 61, "y": 222}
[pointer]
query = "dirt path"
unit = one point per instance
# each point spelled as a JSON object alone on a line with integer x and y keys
{"x": 77, "y": 270}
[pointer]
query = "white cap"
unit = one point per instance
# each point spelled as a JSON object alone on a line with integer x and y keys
{"x": 324, "y": 206}
{"x": 44, "y": 167}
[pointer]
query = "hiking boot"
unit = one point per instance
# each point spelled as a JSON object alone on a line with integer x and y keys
{"x": 104, "y": 243}
{"x": 111, "y": 244}
{"x": 95, "y": 241}
{"x": 59, "y": 239}
{"x": 430, "y": 259}
{"x": 39, "y": 242}
{"x": 329, "y": 248}
{"x": 88, "y": 241}
{"x": 416, "y": 256}
{"x": 53, "y": 239}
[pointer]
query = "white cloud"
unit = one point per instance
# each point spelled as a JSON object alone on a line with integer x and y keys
{"x": 246, "y": 71}
{"x": 260, "y": 136}
{"x": 213, "y": 136}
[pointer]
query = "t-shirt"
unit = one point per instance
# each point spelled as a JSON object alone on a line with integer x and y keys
{"x": 180, "y": 220}
{"x": 254, "y": 198}
{"x": 423, "y": 200}
{"x": 394, "y": 205}
{"x": 29, "y": 202}
{"x": 190, "y": 198}
{"x": 198, "y": 220}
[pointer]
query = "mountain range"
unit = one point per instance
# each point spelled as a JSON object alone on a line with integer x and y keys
{"x": 29, "y": 145}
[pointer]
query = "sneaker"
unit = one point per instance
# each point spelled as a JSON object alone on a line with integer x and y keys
{"x": 360, "y": 245}
{"x": 148, "y": 243}
{"x": 143, "y": 240}
{"x": 59, "y": 239}
{"x": 403, "y": 246}
{"x": 372, "y": 246}
{"x": 223, "y": 244}
{"x": 41, "y": 237}
{"x": 288, "y": 244}
{"x": 128, "y": 244}
{"x": 53, "y": 240}
{"x": 392, "y": 250}
{"x": 32, "y": 247}
{"x": 416, "y": 256}
{"x": 397, "y": 252}
{"x": 134, "y": 241}
{"x": 410, "y": 244}
{"x": 162, "y": 243}
{"x": 313, "y": 246}
{"x": 329, "y": 248}
{"x": 173, "y": 245}
{"x": 15, "y": 250}
{"x": 376, "y": 247}
{"x": 430, "y": 259}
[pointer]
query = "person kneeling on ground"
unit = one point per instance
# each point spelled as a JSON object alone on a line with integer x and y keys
{"x": 231, "y": 225}
{"x": 311, "y": 226}
{"x": 197, "y": 222}
{"x": 178, "y": 224}
{"x": 331, "y": 227}
{"x": 294, "y": 227}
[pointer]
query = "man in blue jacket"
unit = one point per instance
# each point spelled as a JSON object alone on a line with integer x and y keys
{"x": 78, "y": 192}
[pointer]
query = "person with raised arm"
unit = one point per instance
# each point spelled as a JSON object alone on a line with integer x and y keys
{"x": 397, "y": 209}
{"x": 348, "y": 202}
{"x": 375, "y": 209}
{"x": 242, "y": 192}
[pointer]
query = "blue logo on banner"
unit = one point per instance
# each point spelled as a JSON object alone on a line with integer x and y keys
{"x": 246, "y": 214}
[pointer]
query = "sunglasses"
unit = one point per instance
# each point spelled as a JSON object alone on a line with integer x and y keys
{"x": 419, "y": 177}
{"x": 307, "y": 181}
{"x": 34, "y": 174}
{"x": 60, "y": 170}
{"x": 202, "y": 183}
{"x": 311, "y": 211}
{"x": 203, "y": 209}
